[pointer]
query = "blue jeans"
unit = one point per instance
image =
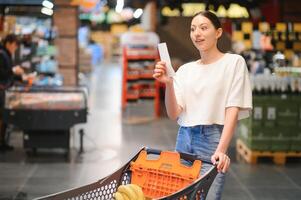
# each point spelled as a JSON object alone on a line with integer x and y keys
{"x": 202, "y": 140}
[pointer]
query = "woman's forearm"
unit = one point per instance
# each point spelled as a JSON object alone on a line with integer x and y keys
{"x": 228, "y": 130}
{"x": 172, "y": 107}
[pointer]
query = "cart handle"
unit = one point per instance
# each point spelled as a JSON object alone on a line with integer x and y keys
{"x": 185, "y": 156}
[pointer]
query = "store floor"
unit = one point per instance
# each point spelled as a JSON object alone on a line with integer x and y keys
{"x": 111, "y": 140}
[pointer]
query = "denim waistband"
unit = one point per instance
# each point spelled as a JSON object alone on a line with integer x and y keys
{"x": 204, "y": 126}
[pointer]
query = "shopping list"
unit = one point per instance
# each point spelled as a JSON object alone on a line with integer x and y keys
{"x": 164, "y": 56}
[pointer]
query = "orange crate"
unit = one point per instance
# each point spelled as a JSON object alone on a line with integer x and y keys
{"x": 163, "y": 176}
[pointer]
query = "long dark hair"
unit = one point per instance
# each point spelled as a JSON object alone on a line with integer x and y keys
{"x": 10, "y": 38}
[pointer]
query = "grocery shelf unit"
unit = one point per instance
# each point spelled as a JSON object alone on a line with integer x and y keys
{"x": 138, "y": 82}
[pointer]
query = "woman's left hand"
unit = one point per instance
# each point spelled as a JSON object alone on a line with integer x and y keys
{"x": 223, "y": 161}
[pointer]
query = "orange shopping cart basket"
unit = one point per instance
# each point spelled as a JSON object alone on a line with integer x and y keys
{"x": 159, "y": 173}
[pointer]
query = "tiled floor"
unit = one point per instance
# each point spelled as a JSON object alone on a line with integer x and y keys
{"x": 111, "y": 139}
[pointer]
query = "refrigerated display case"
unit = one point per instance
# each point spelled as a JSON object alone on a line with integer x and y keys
{"x": 46, "y": 114}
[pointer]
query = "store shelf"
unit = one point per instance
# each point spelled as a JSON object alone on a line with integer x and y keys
{"x": 141, "y": 53}
{"x": 141, "y": 57}
{"x": 138, "y": 82}
{"x": 147, "y": 95}
{"x": 132, "y": 97}
{"x": 146, "y": 76}
{"x": 133, "y": 77}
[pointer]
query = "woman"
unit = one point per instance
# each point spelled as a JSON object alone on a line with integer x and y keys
{"x": 208, "y": 97}
{"x": 8, "y": 74}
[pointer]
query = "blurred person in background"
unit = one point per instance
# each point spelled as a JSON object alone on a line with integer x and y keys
{"x": 8, "y": 74}
{"x": 96, "y": 52}
{"x": 207, "y": 97}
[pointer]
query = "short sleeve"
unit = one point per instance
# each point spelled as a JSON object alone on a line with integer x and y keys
{"x": 178, "y": 88}
{"x": 240, "y": 93}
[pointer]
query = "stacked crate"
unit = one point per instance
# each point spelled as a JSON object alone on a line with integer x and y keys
{"x": 65, "y": 19}
{"x": 296, "y": 140}
{"x": 85, "y": 61}
{"x": 275, "y": 124}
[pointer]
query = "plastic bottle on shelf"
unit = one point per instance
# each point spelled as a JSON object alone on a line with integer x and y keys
{"x": 299, "y": 84}
{"x": 293, "y": 84}
{"x": 295, "y": 60}
{"x": 273, "y": 82}
{"x": 279, "y": 59}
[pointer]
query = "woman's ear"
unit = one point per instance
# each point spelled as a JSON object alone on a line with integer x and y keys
{"x": 219, "y": 33}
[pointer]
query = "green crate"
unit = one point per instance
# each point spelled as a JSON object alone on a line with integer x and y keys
{"x": 257, "y": 116}
{"x": 287, "y": 123}
{"x": 299, "y": 117}
{"x": 270, "y": 105}
{"x": 275, "y": 120}
{"x": 277, "y": 100}
{"x": 281, "y": 143}
{"x": 243, "y": 129}
{"x": 259, "y": 103}
{"x": 296, "y": 100}
{"x": 269, "y": 132}
{"x": 296, "y": 143}
{"x": 288, "y": 132}
{"x": 261, "y": 99}
{"x": 263, "y": 132}
{"x": 259, "y": 143}
{"x": 298, "y": 132}
{"x": 248, "y": 130}
{"x": 270, "y": 116}
{"x": 287, "y": 114}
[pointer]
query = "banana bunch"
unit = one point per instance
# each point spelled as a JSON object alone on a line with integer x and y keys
{"x": 129, "y": 192}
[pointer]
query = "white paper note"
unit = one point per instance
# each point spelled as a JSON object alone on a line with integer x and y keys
{"x": 164, "y": 56}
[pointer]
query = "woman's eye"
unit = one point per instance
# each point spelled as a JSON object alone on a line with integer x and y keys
{"x": 192, "y": 29}
{"x": 204, "y": 28}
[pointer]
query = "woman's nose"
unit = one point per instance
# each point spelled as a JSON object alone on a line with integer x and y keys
{"x": 197, "y": 32}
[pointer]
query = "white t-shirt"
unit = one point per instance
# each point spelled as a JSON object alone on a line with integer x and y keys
{"x": 205, "y": 91}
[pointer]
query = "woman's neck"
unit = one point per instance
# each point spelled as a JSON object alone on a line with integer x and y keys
{"x": 210, "y": 56}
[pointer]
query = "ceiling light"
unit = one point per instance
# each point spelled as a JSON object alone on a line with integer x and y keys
{"x": 47, "y": 4}
{"x": 119, "y": 6}
{"x": 47, "y": 11}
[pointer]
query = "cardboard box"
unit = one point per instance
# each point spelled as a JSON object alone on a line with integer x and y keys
{"x": 67, "y": 51}
{"x": 70, "y": 76}
{"x": 66, "y": 21}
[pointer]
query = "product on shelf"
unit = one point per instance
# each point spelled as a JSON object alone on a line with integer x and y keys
{"x": 283, "y": 81}
{"x": 137, "y": 51}
{"x": 133, "y": 91}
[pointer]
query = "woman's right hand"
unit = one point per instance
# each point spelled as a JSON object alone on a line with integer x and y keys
{"x": 18, "y": 70}
{"x": 160, "y": 73}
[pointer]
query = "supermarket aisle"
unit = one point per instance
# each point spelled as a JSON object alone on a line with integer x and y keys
{"x": 110, "y": 142}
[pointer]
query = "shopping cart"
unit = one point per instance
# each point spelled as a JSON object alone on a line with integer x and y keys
{"x": 106, "y": 187}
